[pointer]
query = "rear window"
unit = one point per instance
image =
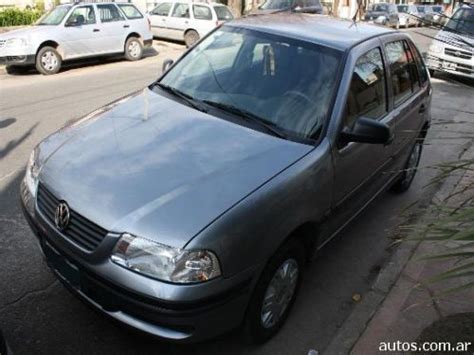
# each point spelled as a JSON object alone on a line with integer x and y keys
{"x": 130, "y": 11}
{"x": 223, "y": 13}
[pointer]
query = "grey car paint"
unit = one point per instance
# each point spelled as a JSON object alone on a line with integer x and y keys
{"x": 137, "y": 166}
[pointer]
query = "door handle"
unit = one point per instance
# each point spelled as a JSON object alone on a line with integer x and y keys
{"x": 126, "y": 26}
{"x": 95, "y": 30}
{"x": 422, "y": 109}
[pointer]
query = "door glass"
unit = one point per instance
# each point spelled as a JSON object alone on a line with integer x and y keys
{"x": 423, "y": 73}
{"x": 181, "y": 10}
{"x": 202, "y": 12}
{"x": 367, "y": 96}
{"x": 402, "y": 75}
{"x": 162, "y": 9}
{"x": 109, "y": 13}
{"x": 82, "y": 15}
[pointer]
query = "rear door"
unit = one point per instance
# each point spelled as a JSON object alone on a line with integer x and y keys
{"x": 179, "y": 20}
{"x": 158, "y": 19}
{"x": 409, "y": 98}
{"x": 114, "y": 27}
{"x": 203, "y": 20}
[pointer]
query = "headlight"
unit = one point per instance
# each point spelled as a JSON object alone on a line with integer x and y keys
{"x": 16, "y": 42}
{"x": 435, "y": 48}
{"x": 163, "y": 262}
{"x": 32, "y": 172}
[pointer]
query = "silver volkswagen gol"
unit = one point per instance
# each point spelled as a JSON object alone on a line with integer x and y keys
{"x": 190, "y": 207}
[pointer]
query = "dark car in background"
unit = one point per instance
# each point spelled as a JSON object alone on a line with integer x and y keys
{"x": 192, "y": 206}
{"x": 383, "y": 14}
{"x": 306, "y": 6}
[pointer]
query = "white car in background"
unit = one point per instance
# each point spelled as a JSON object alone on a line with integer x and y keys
{"x": 187, "y": 21}
{"x": 74, "y": 31}
{"x": 452, "y": 49}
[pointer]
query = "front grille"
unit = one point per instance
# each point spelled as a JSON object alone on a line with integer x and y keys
{"x": 457, "y": 53}
{"x": 80, "y": 230}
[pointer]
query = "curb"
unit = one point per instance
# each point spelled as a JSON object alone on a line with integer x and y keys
{"x": 354, "y": 325}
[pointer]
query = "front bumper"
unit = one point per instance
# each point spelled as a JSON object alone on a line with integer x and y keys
{"x": 449, "y": 64}
{"x": 123, "y": 296}
{"x": 18, "y": 60}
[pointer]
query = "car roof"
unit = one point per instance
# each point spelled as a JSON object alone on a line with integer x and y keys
{"x": 324, "y": 30}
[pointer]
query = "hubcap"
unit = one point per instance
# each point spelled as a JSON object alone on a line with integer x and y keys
{"x": 49, "y": 60}
{"x": 412, "y": 163}
{"x": 134, "y": 49}
{"x": 279, "y": 293}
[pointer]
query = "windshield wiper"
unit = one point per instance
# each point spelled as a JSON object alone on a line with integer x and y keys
{"x": 191, "y": 101}
{"x": 248, "y": 116}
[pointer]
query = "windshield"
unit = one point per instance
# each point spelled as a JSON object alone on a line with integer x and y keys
{"x": 223, "y": 13}
{"x": 462, "y": 22}
{"x": 55, "y": 16}
{"x": 402, "y": 8}
{"x": 421, "y": 9}
{"x": 380, "y": 8}
{"x": 437, "y": 8}
{"x": 275, "y": 5}
{"x": 285, "y": 82}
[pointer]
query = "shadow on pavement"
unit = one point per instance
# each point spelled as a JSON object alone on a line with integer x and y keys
{"x": 7, "y": 122}
{"x": 16, "y": 142}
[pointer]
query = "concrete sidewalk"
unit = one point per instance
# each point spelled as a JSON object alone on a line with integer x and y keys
{"x": 399, "y": 307}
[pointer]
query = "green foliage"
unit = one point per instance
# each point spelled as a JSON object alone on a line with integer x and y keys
{"x": 17, "y": 17}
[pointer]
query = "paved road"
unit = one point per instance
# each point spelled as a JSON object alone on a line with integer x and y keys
{"x": 39, "y": 316}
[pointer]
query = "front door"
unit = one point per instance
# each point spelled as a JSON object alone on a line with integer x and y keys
{"x": 361, "y": 169}
{"x": 80, "y": 38}
{"x": 178, "y": 22}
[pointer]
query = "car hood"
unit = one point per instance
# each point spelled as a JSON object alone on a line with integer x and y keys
{"x": 156, "y": 168}
{"x": 450, "y": 38}
{"x": 25, "y": 32}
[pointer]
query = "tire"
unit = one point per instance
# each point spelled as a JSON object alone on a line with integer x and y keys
{"x": 48, "y": 60}
{"x": 133, "y": 49}
{"x": 409, "y": 170}
{"x": 432, "y": 72}
{"x": 17, "y": 69}
{"x": 190, "y": 38}
{"x": 259, "y": 327}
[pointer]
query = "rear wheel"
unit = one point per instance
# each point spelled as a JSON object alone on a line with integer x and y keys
{"x": 133, "y": 49}
{"x": 48, "y": 60}
{"x": 190, "y": 38}
{"x": 275, "y": 293}
{"x": 409, "y": 171}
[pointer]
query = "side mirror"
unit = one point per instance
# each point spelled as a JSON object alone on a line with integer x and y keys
{"x": 367, "y": 130}
{"x": 167, "y": 64}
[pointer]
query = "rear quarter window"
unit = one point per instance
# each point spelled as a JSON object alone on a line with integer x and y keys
{"x": 202, "y": 12}
{"x": 223, "y": 13}
{"x": 130, "y": 11}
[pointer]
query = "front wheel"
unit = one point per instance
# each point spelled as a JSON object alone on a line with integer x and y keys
{"x": 275, "y": 293}
{"x": 190, "y": 38}
{"x": 133, "y": 49}
{"x": 48, "y": 61}
{"x": 406, "y": 178}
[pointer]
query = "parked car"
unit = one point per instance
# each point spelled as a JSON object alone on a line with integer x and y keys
{"x": 74, "y": 31}
{"x": 408, "y": 15}
{"x": 451, "y": 49}
{"x": 196, "y": 210}
{"x": 434, "y": 14}
{"x": 383, "y": 14}
{"x": 187, "y": 21}
{"x": 272, "y": 6}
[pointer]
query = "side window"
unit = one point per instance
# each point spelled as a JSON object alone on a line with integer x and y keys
{"x": 109, "y": 13}
{"x": 422, "y": 71}
{"x": 367, "y": 95}
{"x": 83, "y": 15}
{"x": 413, "y": 68}
{"x": 202, "y": 12}
{"x": 181, "y": 10}
{"x": 162, "y": 9}
{"x": 130, "y": 11}
{"x": 401, "y": 70}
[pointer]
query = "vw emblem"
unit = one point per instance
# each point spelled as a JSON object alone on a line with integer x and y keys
{"x": 62, "y": 215}
{"x": 457, "y": 53}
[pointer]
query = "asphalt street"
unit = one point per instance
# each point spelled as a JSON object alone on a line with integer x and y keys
{"x": 38, "y": 315}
